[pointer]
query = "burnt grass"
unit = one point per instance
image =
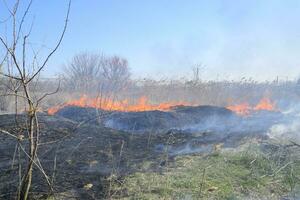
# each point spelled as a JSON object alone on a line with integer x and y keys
{"x": 148, "y": 121}
{"x": 76, "y": 149}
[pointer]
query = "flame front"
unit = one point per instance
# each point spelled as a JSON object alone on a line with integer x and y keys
{"x": 241, "y": 109}
{"x": 246, "y": 109}
{"x": 144, "y": 105}
{"x": 111, "y": 105}
{"x": 265, "y": 104}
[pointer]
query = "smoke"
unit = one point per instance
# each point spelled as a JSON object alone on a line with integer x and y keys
{"x": 184, "y": 149}
{"x": 233, "y": 40}
{"x": 289, "y": 130}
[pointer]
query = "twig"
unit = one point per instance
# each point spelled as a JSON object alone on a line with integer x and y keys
{"x": 8, "y": 133}
{"x": 56, "y": 47}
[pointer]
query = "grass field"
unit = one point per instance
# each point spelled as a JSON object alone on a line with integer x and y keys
{"x": 251, "y": 172}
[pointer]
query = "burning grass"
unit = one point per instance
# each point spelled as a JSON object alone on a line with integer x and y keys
{"x": 143, "y": 104}
{"x": 107, "y": 104}
{"x": 98, "y": 162}
{"x": 254, "y": 172}
{"x": 247, "y": 109}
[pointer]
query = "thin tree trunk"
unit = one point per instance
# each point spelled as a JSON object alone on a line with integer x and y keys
{"x": 26, "y": 183}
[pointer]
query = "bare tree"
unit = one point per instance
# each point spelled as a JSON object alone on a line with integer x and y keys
{"x": 83, "y": 72}
{"x": 116, "y": 73}
{"x": 90, "y": 73}
{"x": 197, "y": 69}
{"x": 21, "y": 72}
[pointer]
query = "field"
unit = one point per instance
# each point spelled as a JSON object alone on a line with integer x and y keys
{"x": 110, "y": 100}
{"x": 231, "y": 157}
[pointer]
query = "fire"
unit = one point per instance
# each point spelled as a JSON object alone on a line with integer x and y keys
{"x": 241, "y": 109}
{"x": 265, "y": 104}
{"x": 246, "y": 109}
{"x": 143, "y": 104}
{"x": 108, "y": 104}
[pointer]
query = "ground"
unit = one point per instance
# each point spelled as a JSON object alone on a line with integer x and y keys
{"x": 89, "y": 161}
{"x": 253, "y": 171}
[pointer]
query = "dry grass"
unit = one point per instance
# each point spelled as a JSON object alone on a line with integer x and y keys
{"x": 254, "y": 172}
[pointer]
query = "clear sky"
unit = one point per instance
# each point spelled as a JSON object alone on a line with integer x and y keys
{"x": 165, "y": 38}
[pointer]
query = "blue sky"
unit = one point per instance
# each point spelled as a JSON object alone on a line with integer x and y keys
{"x": 165, "y": 38}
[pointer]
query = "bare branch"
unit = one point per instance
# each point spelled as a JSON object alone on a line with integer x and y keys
{"x": 10, "y": 76}
{"x": 8, "y": 133}
{"x": 295, "y": 144}
{"x": 37, "y": 164}
{"x": 22, "y": 21}
{"x": 56, "y": 47}
{"x": 24, "y": 56}
{"x": 48, "y": 94}
{"x": 15, "y": 94}
{"x": 13, "y": 57}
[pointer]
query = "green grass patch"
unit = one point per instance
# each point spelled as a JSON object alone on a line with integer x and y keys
{"x": 247, "y": 173}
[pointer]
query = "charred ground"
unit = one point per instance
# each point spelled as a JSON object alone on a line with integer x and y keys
{"x": 79, "y": 146}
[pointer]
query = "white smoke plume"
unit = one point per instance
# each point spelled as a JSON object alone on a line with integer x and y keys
{"x": 289, "y": 130}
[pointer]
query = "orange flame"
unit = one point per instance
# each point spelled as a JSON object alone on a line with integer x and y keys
{"x": 265, "y": 104}
{"x": 246, "y": 109}
{"x": 240, "y": 109}
{"x": 111, "y": 105}
{"x": 143, "y": 105}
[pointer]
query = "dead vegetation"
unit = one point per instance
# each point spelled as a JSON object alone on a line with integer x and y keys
{"x": 187, "y": 152}
{"x": 93, "y": 162}
{"x": 19, "y": 72}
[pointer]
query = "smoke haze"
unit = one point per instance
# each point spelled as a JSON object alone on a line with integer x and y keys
{"x": 258, "y": 39}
